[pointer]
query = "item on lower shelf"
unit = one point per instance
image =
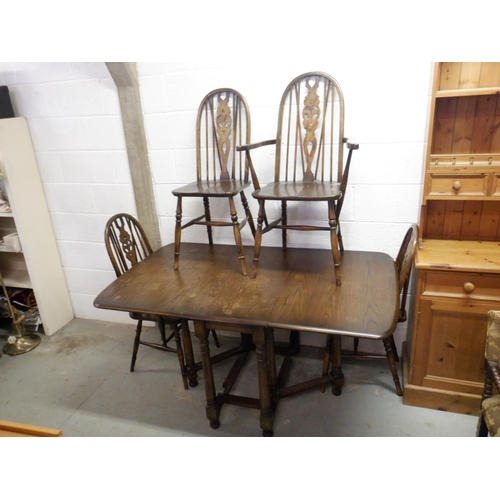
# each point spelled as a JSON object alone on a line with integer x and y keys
{"x": 23, "y": 298}
{"x": 18, "y": 343}
{"x": 32, "y": 319}
{"x": 23, "y": 301}
{"x": 4, "y": 206}
{"x": 12, "y": 243}
{"x": 4, "y": 201}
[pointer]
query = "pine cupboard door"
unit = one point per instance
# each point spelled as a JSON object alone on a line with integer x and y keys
{"x": 450, "y": 340}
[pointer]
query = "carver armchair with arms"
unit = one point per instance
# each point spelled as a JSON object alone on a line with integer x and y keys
{"x": 222, "y": 124}
{"x": 309, "y": 160}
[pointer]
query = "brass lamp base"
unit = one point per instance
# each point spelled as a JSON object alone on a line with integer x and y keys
{"x": 22, "y": 344}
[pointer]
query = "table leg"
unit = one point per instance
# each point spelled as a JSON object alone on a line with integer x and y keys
{"x": 266, "y": 412}
{"x": 327, "y": 358}
{"x": 192, "y": 373}
{"x": 336, "y": 373}
{"x": 212, "y": 407}
{"x": 271, "y": 361}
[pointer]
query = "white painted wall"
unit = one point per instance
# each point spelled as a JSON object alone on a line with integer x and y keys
{"x": 74, "y": 118}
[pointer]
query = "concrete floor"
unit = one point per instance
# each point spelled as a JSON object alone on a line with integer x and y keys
{"x": 78, "y": 380}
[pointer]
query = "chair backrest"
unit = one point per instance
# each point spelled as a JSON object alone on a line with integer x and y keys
{"x": 310, "y": 130}
{"x": 406, "y": 254}
{"x": 126, "y": 242}
{"x": 222, "y": 124}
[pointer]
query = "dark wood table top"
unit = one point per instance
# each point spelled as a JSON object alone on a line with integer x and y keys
{"x": 294, "y": 290}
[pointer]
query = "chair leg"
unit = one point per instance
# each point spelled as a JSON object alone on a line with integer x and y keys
{"x": 284, "y": 219}
{"x": 137, "y": 341}
{"x": 191, "y": 370}
{"x": 216, "y": 339}
{"x": 258, "y": 238}
{"x": 394, "y": 349}
{"x": 178, "y": 230}
{"x": 161, "y": 327}
{"x": 294, "y": 343}
{"x": 180, "y": 355}
{"x": 392, "y": 365}
{"x": 208, "y": 218}
{"x": 332, "y": 220}
{"x": 248, "y": 214}
{"x": 339, "y": 236}
{"x": 355, "y": 345}
{"x": 237, "y": 236}
{"x": 482, "y": 429}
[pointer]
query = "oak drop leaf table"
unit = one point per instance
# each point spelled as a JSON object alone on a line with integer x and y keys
{"x": 295, "y": 290}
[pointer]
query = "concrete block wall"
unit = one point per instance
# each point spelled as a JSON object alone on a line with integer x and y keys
{"x": 74, "y": 117}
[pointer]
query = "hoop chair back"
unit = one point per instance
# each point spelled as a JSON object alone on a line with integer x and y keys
{"x": 222, "y": 124}
{"x": 310, "y": 134}
{"x": 126, "y": 242}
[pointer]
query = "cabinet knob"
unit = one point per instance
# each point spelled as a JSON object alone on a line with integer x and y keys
{"x": 469, "y": 287}
{"x": 457, "y": 185}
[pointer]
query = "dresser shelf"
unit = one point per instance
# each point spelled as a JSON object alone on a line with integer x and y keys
{"x": 458, "y": 258}
{"x": 37, "y": 266}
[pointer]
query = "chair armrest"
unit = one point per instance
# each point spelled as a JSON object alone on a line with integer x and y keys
{"x": 248, "y": 147}
{"x": 351, "y": 143}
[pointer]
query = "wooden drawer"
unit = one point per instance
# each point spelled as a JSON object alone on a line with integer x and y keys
{"x": 458, "y": 185}
{"x": 462, "y": 285}
{"x": 495, "y": 189}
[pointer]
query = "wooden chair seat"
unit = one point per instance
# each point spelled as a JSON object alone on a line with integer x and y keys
{"x": 300, "y": 191}
{"x": 212, "y": 188}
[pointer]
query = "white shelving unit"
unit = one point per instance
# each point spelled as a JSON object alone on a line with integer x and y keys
{"x": 37, "y": 265}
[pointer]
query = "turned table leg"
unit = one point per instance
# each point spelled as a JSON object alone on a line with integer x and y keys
{"x": 336, "y": 373}
{"x": 212, "y": 407}
{"x": 271, "y": 362}
{"x": 266, "y": 412}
